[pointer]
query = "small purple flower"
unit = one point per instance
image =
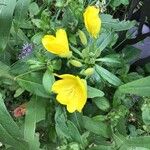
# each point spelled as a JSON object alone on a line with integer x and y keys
{"x": 26, "y": 50}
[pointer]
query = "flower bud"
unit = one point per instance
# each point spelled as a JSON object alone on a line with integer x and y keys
{"x": 92, "y": 20}
{"x": 31, "y": 62}
{"x": 34, "y": 62}
{"x": 56, "y": 64}
{"x": 145, "y": 127}
{"x": 82, "y": 37}
{"x": 36, "y": 66}
{"x": 89, "y": 71}
{"x": 75, "y": 63}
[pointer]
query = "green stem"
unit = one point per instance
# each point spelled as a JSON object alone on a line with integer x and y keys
{"x": 77, "y": 121}
{"x": 122, "y": 41}
{"x": 76, "y": 51}
{"x": 29, "y": 72}
{"x": 77, "y": 59}
{"x": 57, "y": 15}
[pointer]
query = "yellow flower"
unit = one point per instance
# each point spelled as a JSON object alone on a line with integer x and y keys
{"x": 92, "y": 20}
{"x": 71, "y": 91}
{"x": 57, "y": 45}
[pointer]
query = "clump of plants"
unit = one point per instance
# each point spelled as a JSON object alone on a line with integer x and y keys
{"x": 63, "y": 85}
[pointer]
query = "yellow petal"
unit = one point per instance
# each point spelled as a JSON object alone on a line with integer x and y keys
{"x": 83, "y": 86}
{"x": 62, "y": 36}
{"x": 79, "y": 97}
{"x": 66, "y": 76}
{"x": 62, "y": 98}
{"x": 62, "y": 85}
{"x": 92, "y": 20}
{"x": 50, "y": 43}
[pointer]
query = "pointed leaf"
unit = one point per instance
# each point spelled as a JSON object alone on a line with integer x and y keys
{"x": 6, "y": 13}
{"x": 20, "y": 12}
{"x": 33, "y": 83}
{"x": 108, "y": 76}
{"x": 35, "y": 113}
{"x": 93, "y": 92}
{"x": 48, "y": 80}
{"x": 139, "y": 87}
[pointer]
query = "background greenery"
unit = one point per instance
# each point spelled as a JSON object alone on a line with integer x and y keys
{"x": 117, "y": 114}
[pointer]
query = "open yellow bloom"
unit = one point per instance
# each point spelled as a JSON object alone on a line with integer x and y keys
{"x": 57, "y": 45}
{"x": 92, "y": 20}
{"x": 71, "y": 91}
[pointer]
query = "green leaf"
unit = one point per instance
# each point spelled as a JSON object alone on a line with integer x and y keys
{"x": 19, "y": 67}
{"x": 146, "y": 112}
{"x": 27, "y": 24}
{"x": 147, "y": 67}
{"x": 103, "y": 41}
{"x": 138, "y": 142}
{"x": 108, "y": 60}
{"x": 102, "y": 103}
{"x": 76, "y": 118}
{"x": 9, "y": 131}
{"x": 21, "y": 12}
{"x": 132, "y": 76}
{"x": 108, "y": 76}
{"x": 18, "y": 92}
{"x": 20, "y": 35}
{"x": 37, "y": 23}
{"x": 109, "y": 23}
{"x": 74, "y": 132}
{"x": 7, "y": 138}
{"x": 48, "y": 80}
{"x": 146, "y": 115}
{"x": 101, "y": 147}
{"x": 60, "y": 3}
{"x": 121, "y": 126}
{"x": 33, "y": 83}
{"x": 131, "y": 53}
{"x": 66, "y": 128}
{"x": 131, "y": 143}
{"x": 5, "y": 57}
{"x": 35, "y": 113}
{"x": 93, "y": 92}
{"x": 4, "y": 69}
{"x": 61, "y": 125}
{"x": 115, "y": 3}
{"x": 34, "y": 8}
{"x": 96, "y": 127}
{"x": 139, "y": 87}
{"x": 6, "y": 13}
{"x": 37, "y": 38}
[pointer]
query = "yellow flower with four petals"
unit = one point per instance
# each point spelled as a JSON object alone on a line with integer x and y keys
{"x": 71, "y": 91}
{"x": 57, "y": 45}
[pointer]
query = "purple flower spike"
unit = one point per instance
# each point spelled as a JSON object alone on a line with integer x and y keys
{"x": 26, "y": 50}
